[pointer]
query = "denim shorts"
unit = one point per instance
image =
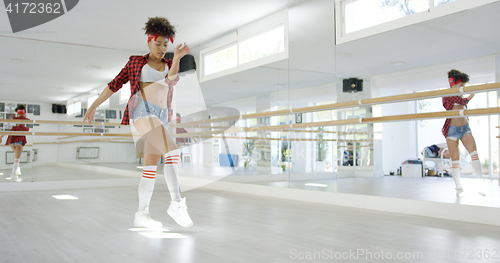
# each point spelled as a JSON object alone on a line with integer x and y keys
{"x": 141, "y": 111}
{"x": 16, "y": 143}
{"x": 456, "y": 133}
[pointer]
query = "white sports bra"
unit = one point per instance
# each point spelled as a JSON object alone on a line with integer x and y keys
{"x": 149, "y": 74}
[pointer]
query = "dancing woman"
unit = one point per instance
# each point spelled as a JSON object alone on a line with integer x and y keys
{"x": 152, "y": 79}
{"x": 456, "y": 129}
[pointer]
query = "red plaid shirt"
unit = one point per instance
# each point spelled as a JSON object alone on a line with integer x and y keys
{"x": 131, "y": 72}
{"x": 448, "y": 103}
{"x": 19, "y": 127}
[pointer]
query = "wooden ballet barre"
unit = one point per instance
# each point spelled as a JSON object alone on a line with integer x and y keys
{"x": 415, "y": 116}
{"x": 190, "y": 124}
{"x": 194, "y": 134}
{"x": 117, "y": 138}
{"x": 333, "y": 132}
{"x": 434, "y": 115}
{"x": 280, "y": 139}
{"x": 99, "y": 123}
{"x": 357, "y": 146}
{"x": 62, "y": 122}
{"x": 288, "y": 127}
{"x": 27, "y": 133}
{"x": 339, "y": 105}
{"x": 85, "y": 141}
{"x": 363, "y": 102}
{"x": 273, "y": 139}
{"x": 27, "y": 145}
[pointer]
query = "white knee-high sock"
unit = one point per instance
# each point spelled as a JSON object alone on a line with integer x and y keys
{"x": 171, "y": 172}
{"x": 14, "y": 167}
{"x": 455, "y": 173}
{"x": 146, "y": 186}
{"x": 476, "y": 164}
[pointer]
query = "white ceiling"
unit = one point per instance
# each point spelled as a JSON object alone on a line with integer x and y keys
{"x": 58, "y": 65}
{"x": 59, "y": 58}
{"x": 313, "y": 61}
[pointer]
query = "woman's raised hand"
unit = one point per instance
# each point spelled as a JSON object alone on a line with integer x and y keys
{"x": 89, "y": 115}
{"x": 181, "y": 52}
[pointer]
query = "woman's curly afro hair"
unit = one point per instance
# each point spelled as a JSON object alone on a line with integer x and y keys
{"x": 457, "y": 75}
{"x": 159, "y": 26}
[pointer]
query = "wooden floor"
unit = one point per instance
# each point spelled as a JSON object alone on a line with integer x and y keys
{"x": 229, "y": 227}
{"x": 436, "y": 189}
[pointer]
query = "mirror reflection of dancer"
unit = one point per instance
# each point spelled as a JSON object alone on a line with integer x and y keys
{"x": 152, "y": 77}
{"x": 455, "y": 129}
{"x": 17, "y": 142}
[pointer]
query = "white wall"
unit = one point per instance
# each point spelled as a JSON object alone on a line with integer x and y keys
{"x": 108, "y": 152}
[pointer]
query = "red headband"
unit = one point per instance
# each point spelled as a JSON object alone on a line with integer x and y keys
{"x": 453, "y": 82}
{"x": 156, "y": 36}
{"x": 21, "y": 112}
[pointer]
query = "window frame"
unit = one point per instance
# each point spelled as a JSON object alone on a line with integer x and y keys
{"x": 247, "y": 65}
{"x": 433, "y": 12}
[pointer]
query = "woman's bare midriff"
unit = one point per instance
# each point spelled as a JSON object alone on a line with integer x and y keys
{"x": 458, "y": 122}
{"x": 155, "y": 93}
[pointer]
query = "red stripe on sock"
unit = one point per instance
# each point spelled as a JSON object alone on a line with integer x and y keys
{"x": 148, "y": 177}
{"x": 151, "y": 174}
{"x": 171, "y": 163}
{"x": 172, "y": 156}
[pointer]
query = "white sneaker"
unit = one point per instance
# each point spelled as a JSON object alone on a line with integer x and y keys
{"x": 14, "y": 178}
{"x": 178, "y": 211}
{"x": 143, "y": 219}
{"x": 460, "y": 190}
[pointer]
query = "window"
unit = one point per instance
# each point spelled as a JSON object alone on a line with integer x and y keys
{"x": 440, "y": 2}
{"x": 124, "y": 93}
{"x": 220, "y": 60}
{"x": 263, "y": 45}
{"x": 362, "y": 14}
{"x": 73, "y": 108}
{"x": 245, "y": 52}
{"x": 70, "y": 109}
{"x": 357, "y": 19}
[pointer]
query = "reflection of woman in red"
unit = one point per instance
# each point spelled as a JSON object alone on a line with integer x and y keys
{"x": 17, "y": 142}
{"x": 456, "y": 129}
